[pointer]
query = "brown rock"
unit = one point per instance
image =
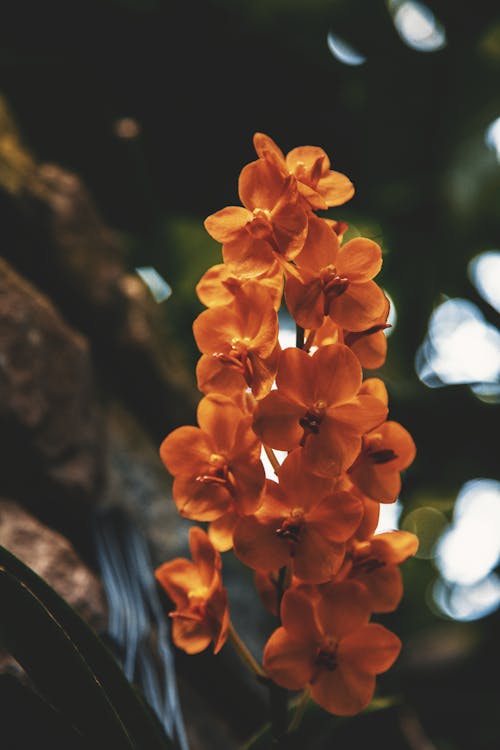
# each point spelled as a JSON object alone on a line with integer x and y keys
{"x": 53, "y": 234}
{"x": 50, "y": 423}
{"x": 50, "y": 555}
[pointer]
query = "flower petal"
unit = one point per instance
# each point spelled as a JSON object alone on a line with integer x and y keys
{"x": 393, "y": 547}
{"x": 316, "y": 559}
{"x": 335, "y": 188}
{"x": 344, "y": 691}
{"x": 220, "y": 531}
{"x": 384, "y": 586}
{"x": 199, "y": 501}
{"x": 305, "y": 157}
{"x": 343, "y": 608}
{"x": 178, "y": 577}
{"x": 337, "y": 516}
{"x": 362, "y": 414}
{"x": 248, "y": 257}
{"x": 266, "y": 148}
{"x": 359, "y": 307}
{"x": 371, "y": 649}
{"x": 276, "y": 421}
{"x": 288, "y": 662}
{"x": 257, "y": 545}
{"x": 298, "y": 615}
{"x": 359, "y": 259}
{"x": 186, "y": 450}
{"x": 228, "y": 224}
{"x": 338, "y": 374}
{"x": 205, "y": 557}
{"x": 260, "y": 185}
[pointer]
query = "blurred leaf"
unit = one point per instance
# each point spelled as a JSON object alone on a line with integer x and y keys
{"x": 316, "y": 728}
{"x": 67, "y": 652}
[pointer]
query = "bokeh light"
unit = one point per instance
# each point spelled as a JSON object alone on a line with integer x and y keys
{"x": 417, "y": 26}
{"x": 460, "y": 347}
{"x": 484, "y": 272}
{"x": 343, "y": 51}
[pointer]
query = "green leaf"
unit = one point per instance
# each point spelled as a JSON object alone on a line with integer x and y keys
{"x": 61, "y": 640}
{"x": 316, "y": 727}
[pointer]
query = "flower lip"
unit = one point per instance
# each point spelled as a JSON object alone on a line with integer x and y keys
{"x": 291, "y": 526}
{"x": 326, "y": 658}
{"x": 333, "y": 284}
{"x": 312, "y": 419}
{"x": 382, "y": 456}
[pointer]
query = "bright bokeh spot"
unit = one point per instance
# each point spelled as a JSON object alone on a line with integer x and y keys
{"x": 155, "y": 283}
{"x": 268, "y": 468}
{"x": 389, "y": 517}
{"x": 343, "y": 51}
{"x": 286, "y": 333}
{"x": 484, "y": 272}
{"x": 417, "y": 26}
{"x": 468, "y": 603}
{"x": 393, "y": 316}
{"x": 470, "y": 548}
{"x": 492, "y": 137}
{"x": 460, "y": 348}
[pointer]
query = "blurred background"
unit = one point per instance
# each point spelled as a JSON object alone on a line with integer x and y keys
{"x": 123, "y": 124}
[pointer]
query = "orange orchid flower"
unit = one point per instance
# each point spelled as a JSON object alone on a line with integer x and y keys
{"x": 320, "y": 186}
{"x": 201, "y": 613}
{"x": 218, "y": 286}
{"x": 328, "y": 644}
{"x": 336, "y": 280}
{"x": 317, "y": 405}
{"x": 301, "y": 522}
{"x": 270, "y": 226}
{"x": 239, "y": 342}
{"x": 369, "y": 346}
{"x": 216, "y": 466}
{"x": 386, "y": 451}
{"x": 374, "y": 563}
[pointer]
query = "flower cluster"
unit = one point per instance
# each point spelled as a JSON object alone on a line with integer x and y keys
{"x": 309, "y": 533}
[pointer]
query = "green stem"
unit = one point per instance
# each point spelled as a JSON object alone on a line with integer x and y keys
{"x": 300, "y": 708}
{"x": 244, "y": 654}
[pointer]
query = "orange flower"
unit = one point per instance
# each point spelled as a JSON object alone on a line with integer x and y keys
{"x": 217, "y": 465}
{"x": 318, "y": 184}
{"x": 218, "y": 286}
{"x": 336, "y": 280}
{"x": 240, "y": 343}
{"x": 301, "y": 522}
{"x": 386, "y": 451}
{"x": 272, "y": 225}
{"x": 374, "y": 563}
{"x": 317, "y": 405}
{"x": 201, "y": 615}
{"x": 328, "y": 644}
{"x": 369, "y": 346}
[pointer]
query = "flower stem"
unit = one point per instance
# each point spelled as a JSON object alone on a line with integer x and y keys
{"x": 300, "y": 708}
{"x": 244, "y": 654}
{"x": 310, "y": 339}
{"x": 299, "y": 337}
{"x": 272, "y": 458}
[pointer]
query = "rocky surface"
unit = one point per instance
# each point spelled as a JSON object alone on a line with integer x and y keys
{"x": 51, "y": 429}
